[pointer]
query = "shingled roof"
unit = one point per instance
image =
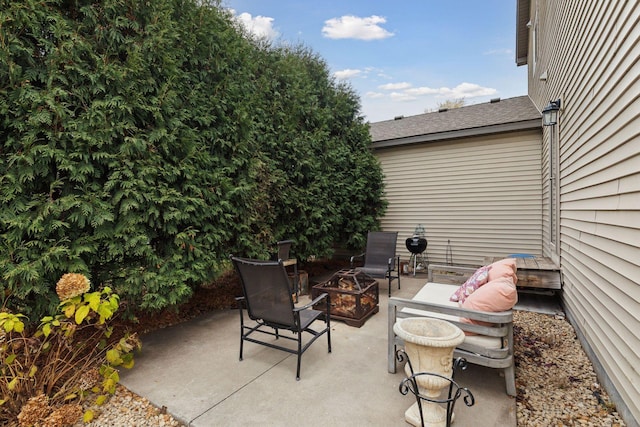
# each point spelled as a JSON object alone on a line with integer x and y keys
{"x": 497, "y": 116}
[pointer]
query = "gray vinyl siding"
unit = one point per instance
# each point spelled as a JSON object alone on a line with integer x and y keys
{"x": 591, "y": 53}
{"x": 481, "y": 194}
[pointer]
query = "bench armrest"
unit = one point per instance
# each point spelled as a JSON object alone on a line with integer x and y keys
{"x": 451, "y": 274}
{"x": 496, "y": 319}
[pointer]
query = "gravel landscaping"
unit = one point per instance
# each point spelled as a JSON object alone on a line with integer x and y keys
{"x": 555, "y": 380}
{"x": 125, "y": 408}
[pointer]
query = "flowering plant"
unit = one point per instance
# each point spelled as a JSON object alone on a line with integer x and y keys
{"x": 70, "y": 356}
{"x": 72, "y": 285}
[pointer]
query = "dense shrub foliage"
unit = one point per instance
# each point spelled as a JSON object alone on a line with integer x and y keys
{"x": 142, "y": 142}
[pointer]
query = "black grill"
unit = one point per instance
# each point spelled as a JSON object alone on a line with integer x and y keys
{"x": 416, "y": 245}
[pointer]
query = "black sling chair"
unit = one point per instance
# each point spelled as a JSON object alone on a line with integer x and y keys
{"x": 269, "y": 303}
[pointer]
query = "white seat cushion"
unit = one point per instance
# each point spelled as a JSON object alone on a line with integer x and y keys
{"x": 439, "y": 293}
{"x": 435, "y": 293}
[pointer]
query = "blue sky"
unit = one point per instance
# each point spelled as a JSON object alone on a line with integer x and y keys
{"x": 401, "y": 57}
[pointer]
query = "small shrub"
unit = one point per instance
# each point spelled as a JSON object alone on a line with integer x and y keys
{"x": 68, "y": 358}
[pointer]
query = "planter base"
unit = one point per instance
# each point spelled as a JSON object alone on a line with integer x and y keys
{"x": 434, "y": 415}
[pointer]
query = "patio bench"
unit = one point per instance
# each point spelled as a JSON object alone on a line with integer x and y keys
{"x": 489, "y": 344}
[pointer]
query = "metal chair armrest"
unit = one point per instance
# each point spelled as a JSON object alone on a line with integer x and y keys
{"x": 312, "y": 303}
{"x": 353, "y": 258}
{"x": 392, "y": 264}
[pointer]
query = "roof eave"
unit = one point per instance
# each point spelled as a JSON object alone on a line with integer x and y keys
{"x": 522, "y": 31}
{"x": 522, "y": 61}
{"x": 460, "y": 133}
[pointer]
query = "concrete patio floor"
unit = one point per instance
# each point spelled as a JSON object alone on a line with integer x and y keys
{"x": 193, "y": 370}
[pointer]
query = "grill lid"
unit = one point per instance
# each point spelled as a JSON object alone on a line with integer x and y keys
{"x": 416, "y": 245}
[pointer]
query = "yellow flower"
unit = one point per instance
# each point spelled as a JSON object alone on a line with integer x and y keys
{"x": 71, "y": 285}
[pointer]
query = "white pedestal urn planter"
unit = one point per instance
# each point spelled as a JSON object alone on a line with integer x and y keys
{"x": 429, "y": 344}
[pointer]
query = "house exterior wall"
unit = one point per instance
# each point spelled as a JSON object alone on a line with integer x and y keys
{"x": 586, "y": 53}
{"x": 481, "y": 194}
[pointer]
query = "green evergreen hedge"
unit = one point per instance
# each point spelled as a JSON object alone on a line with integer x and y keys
{"x": 144, "y": 142}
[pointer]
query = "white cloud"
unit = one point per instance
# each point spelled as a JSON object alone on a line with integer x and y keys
{"x": 260, "y": 26}
{"x": 364, "y": 74}
{"x": 346, "y": 74}
{"x": 466, "y": 90}
{"x": 387, "y": 102}
{"x": 354, "y": 27}
{"x": 395, "y": 86}
{"x": 374, "y": 95}
{"x": 376, "y": 72}
{"x": 463, "y": 90}
{"x": 422, "y": 91}
{"x": 401, "y": 96}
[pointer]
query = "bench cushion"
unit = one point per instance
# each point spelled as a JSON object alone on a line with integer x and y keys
{"x": 439, "y": 293}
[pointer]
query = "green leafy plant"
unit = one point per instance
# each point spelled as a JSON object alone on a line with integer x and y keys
{"x": 141, "y": 143}
{"x": 68, "y": 358}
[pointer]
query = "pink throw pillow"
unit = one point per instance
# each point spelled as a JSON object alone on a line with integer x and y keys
{"x": 497, "y": 295}
{"x": 473, "y": 283}
{"x": 504, "y": 268}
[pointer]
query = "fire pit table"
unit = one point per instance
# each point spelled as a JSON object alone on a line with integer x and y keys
{"x": 354, "y": 296}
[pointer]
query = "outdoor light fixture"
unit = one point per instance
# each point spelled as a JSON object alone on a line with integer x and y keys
{"x": 550, "y": 113}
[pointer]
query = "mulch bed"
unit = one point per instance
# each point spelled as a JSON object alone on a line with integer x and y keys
{"x": 218, "y": 295}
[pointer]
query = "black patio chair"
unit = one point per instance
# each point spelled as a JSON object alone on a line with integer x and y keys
{"x": 380, "y": 258}
{"x": 269, "y": 303}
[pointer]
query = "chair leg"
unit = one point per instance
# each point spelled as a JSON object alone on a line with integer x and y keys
{"x": 328, "y": 335}
{"x": 391, "y": 338}
{"x": 391, "y": 359}
{"x": 299, "y": 355}
{"x": 510, "y": 380}
{"x": 327, "y": 321}
{"x": 241, "y": 333}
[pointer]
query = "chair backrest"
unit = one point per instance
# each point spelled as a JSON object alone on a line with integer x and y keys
{"x": 284, "y": 246}
{"x": 381, "y": 245}
{"x": 265, "y": 285}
